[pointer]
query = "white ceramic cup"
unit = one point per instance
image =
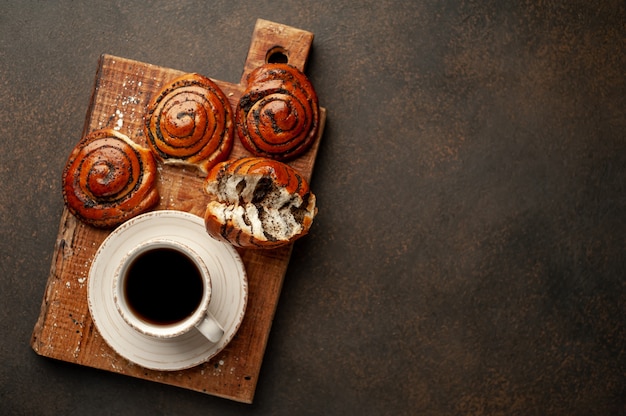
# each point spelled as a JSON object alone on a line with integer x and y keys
{"x": 162, "y": 288}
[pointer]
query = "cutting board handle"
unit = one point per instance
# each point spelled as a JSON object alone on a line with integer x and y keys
{"x": 274, "y": 42}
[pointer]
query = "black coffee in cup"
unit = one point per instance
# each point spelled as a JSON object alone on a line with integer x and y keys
{"x": 163, "y": 286}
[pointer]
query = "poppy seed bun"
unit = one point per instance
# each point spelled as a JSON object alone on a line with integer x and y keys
{"x": 258, "y": 203}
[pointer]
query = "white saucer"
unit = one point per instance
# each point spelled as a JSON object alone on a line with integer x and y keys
{"x": 228, "y": 300}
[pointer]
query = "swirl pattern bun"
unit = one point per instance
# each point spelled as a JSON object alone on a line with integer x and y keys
{"x": 109, "y": 179}
{"x": 258, "y": 203}
{"x": 278, "y": 114}
{"x": 190, "y": 122}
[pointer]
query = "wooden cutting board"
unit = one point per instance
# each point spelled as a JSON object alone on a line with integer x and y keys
{"x": 65, "y": 330}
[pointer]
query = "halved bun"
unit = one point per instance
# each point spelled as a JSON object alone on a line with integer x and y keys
{"x": 258, "y": 203}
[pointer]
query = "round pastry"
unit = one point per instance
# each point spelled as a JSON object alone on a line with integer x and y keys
{"x": 258, "y": 203}
{"x": 278, "y": 114}
{"x": 190, "y": 122}
{"x": 109, "y": 179}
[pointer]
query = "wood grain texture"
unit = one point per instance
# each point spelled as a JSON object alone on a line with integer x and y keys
{"x": 270, "y": 37}
{"x": 65, "y": 330}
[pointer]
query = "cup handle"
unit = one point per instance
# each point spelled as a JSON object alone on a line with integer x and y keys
{"x": 210, "y": 328}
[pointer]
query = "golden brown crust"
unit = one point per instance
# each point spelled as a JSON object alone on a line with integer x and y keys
{"x": 109, "y": 179}
{"x": 278, "y": 114}
{"x": 190, "y": 122}
{"x": 258, "y": 203}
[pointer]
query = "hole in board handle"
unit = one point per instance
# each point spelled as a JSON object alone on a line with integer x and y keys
{"x": 277, "y": 55}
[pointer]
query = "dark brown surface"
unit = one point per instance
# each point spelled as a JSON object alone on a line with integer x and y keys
{"x": 468, "y": 257}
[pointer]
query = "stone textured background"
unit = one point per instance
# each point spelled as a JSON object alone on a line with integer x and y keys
{"x": 468, "y": 256}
